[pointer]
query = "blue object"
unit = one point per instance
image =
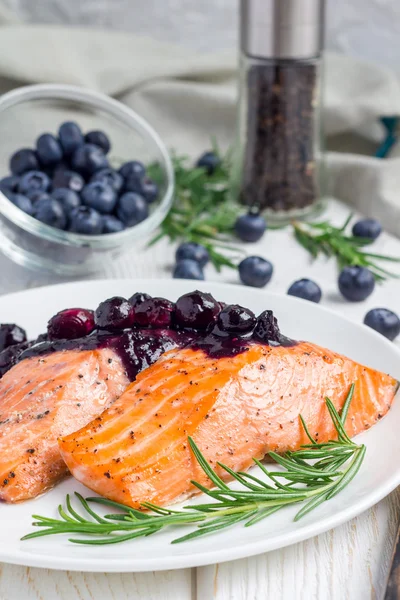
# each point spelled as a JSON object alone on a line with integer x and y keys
{"x": 145, "y": 187}
{"x": 192, "y": 251}
{"x": 99, "y": 196}
{"x": 32, "y": 182}
{"x": 23, "y": 160}
{"x": 110, "y": 177}
{"x": 88, "y": 159}
{"x": 51, "y": 212}
{"x": 356, "y": 283}
{"x": 22, "y": 202}
{"x": 133, "y": 168}
{"x": 86, "y": 220}
{"x": 306, "y": 289}
{"x": 250, "y": 227}
{"x": 390, "y": 124}
{"x": 67, "y": 198}
{"x": 35, "y": 196}
{"x": 70, "y": 136}
{"x": 384, "y": 321}
{"x": 209, "y": 161}
{"x": 100, "y": 139}
{"x": 49, "y": 150}
{"x": 369, "y": 229}
{"x": 132, "y": 209}
{"x": 9, "y": 184}
{"x": 68, "y": 179}
{"x": 255, "y": 271}
{"x": 111, "y": 224}
{"x": 188, "y": 269}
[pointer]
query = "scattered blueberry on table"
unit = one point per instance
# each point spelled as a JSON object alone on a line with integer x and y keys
{"x": 369, "y": 229}
{"x": 67, "y": 182}
{"x": 305, "y": 289}
{"x": 384, "y": 321}
{"x": 255, "y": 271}
{"x": 209, "y": 161}
{"x": 250, "y": 227}
{"x": 356, "y": 283}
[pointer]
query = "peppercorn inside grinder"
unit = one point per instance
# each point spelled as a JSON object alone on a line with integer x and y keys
{"x": 277, "y": 164}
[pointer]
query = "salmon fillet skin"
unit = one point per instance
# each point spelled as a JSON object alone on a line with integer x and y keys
{"x": 42, "y": 398}
{"x": 235, "y": 408}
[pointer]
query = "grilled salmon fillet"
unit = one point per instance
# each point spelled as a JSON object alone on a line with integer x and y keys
{"x": 235, "y": 408}
{"x": 42, "y": 398}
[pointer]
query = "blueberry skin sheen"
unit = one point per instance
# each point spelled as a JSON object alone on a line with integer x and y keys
{"x": 384, "y": 321}
{"x": 67, "y": 198}
{"x": 188, "y": 269}
{"x": 23, "y": 160}
{"x": 250, "y": 227}
{"x": 23, "y": 202}
{"x": 255, "y": 271}
{"x": 9, "y": 184}
{"x": 132, "y": 209}
{"x": 110, "y": 177}
{"x": 356, "y": 283}
{"x": 208, "y": 161}
{"x": 133, "y": 168}
{"x": 192, "y": 251}
{"x": 88, "y": 159}
{"x": 49, "y": 150}
{"x": 236, "y": 319}
{"x": 68, "y": 179}
{"x": 145, "y": 187}
{"x": 100, "y": 196}
{"x": 50, "y": 212}
{"x": 369, "y": 229}
{"x": 85, "y": 220}
{"x": 100, "y": 139}
{"x": 32, "y": 182}
{"x": 306, "y": 289}
{"x": 111, "y": 224}
{"x": 70, "y": 136}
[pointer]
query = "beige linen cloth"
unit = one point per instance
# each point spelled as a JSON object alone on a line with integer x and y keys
{"x": 189, "y": 97}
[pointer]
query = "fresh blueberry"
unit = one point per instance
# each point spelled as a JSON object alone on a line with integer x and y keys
{"x": 9, "y": 184}
{"x": 356, "y": 283}
{"x": 306, "y": 289}
{"x": 209, "y": 161}
{"x": 250, "y": 227}
{"x": 255, "y": 271}
{"x": 196, "y": 310}
{"x": 132, "y": 209}
{"x": 23, "y": 160}
{"x": 32, "y": 182}
{"x": 10, "y": 335}
{"x": 48, "y": 150}
{"x": 68, "y": 179}
{"x": 98, "y": 138}
{"x": 110, "y": 177}
{"x": 100, "y": 196}
{"x": 236, "y": 319}
{"x": 145, "y": 187}
{"x": 71, "y": 324}
{"x": 138, "y": 298}
{"x": 51, "y": 212}
{"x": 266, "y": 329}
{"x": 192, "y": 251}
{"x": 154, "y": 312}
{"x": 384, "y": 321}
{"x": 111, "y": 224}
{"x": 86, "y": 220}
{"x": 67, "y": 198}
{"x": 23, "y": 202}
{"x": 188, "y": 269}
{"x": 35, "y": 196}
{"x": 114, "y": 313}
{"x": 133, "y": 168}
{"x": 88, "y": 159}
{"x": 70, "y": 136}
{"x": 370, "y": 229}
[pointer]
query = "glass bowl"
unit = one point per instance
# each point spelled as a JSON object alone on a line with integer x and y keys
{"x": 27, "y": 112}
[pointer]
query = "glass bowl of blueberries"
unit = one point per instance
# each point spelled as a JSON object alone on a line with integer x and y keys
{"x": 83, "y": 178}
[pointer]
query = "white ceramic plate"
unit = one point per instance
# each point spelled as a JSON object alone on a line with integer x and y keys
{"x": 299, "y": 319}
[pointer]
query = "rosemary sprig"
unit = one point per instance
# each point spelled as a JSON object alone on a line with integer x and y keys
{"x": 300, "y": 481}
{"x": 325, "y": 238}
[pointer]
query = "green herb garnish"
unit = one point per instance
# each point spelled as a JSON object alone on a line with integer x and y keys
{"x": 300, "y": 481}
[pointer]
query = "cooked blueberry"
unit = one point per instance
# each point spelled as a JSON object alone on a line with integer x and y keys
{"x": 306, "y": 289}
{"x": 138, "y": 298}
{"x": 70, "y": 136}
{"x": 154, "y": 312}
{"x": 48, "y": 149}
{"x": 10, "y": 356}
{"x": 250, "y": 227}
{"x": 111, "y": 224}
{"x": 209, "y": 161}
{"x": 110, "y": 177}
{"x": 71, "y": 324}
{"x": 236, "y": 319}
{"x": 145, "y": 187}
{"x": 67, "y": 198}
{"x": 192, "y": 251}
{"x": 68, "y": 179}
{"x": 114, "y": 313}
{"x": 133, "y": 168}
{"x": 196, "y": 310}
{"x": 255, "y": 271}
{"x": 32, "y": 182}
{"x": 88, "y": 159}
{"x": 9, "y": 184}
{"x": 51, "y": 212}
{"x": 23, "y": 160}
{"x": 188, "y": 269}
{"x": 132, "y": 209}
{"x": 100, "y": 196}
{"x": 99, "y": 138}
{"x": 266, "y": 329}
{"x": 356, "y": 283}
{"x": 42, "y": 337}
{"x": 86, "y": 220}
{"x": 369, "y": 229}
{"x": 22, "y": 202}
{"x": 384, "y": 321}
{"x": 10, "y": 335}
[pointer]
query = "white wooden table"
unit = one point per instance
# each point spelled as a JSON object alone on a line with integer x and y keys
{"x": 349, "y": 562}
